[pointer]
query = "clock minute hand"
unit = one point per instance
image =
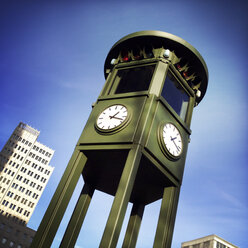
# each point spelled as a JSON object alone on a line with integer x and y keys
{"x": 111, "y": 117}
{"x": 173, "y": 140}
{"x": 116, "y": 118}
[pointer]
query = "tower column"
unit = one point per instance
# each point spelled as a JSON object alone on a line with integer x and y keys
{"x": 167, "y": 218}
{"x": 77, "y": 218}
{"x": 122, "y": 196}
{"x": 56, "y": 209}
{"x": 133, "y": 227}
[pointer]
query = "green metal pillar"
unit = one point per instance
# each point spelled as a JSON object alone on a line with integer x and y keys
{"x": 167, "y": 218}
{"x": 77, "y": 218}
{"x": 122, "y": 196}
{"x": 56, "y": 209}
{"x": 133, "y": 226}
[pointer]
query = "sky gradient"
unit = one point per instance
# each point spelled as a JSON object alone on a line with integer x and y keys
{"x": 52, "y": 55}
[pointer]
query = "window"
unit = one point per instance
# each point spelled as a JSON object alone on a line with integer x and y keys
{"x": 175, "y": 95}
{"x": 196, "y": 246}
{"x": 134, "y": 79}
{"x": 5, "y": 203}
{"x": 10, "y": 194}
{"x": 220, "y": 245}
{"x": 4, "y": 240}
{"x": 206, "y": 244}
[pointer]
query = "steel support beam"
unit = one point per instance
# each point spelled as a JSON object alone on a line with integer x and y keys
{"x": 72, "y": 231}
{"x": 56, "y": 209}
{"x": 167, "y": 218}
{"x": 133, "y": 227}
{"x": 122, "y": 196}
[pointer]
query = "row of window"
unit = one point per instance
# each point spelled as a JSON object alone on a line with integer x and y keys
{"x": 4, "y": 180}
{"x": 18, "y": 156}
{"x": 9, "y": 172}
{"x": 33, "y": 155}
{"x": 35, "y": 166}
{"x": 19, "y": 177}
{"x": 28, "y": 192}
{"x": 220, "y": 245}
{"x": 32, "y": 184}
{"x": 23, "y": 201}
{"x": 26, "y": 142}
{"x": 40, "y": 150}
{"x": 14, "y": 164}
{"x": 13, "y": 218}
{"x": 19, "y": 148}
{"x": 11, "y": 243}
{"x": 13, "y": 206}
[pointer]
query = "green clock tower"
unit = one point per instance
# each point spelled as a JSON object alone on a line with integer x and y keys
{"x": 135, "y": 141}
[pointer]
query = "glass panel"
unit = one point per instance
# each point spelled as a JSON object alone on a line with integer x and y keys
{"x": 206, "y": 244}
{"x": 175, "y": 95}
{"x": 134, "y": 79}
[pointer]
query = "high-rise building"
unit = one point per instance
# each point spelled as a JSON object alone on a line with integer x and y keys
{"x": 24, "y": 173}
{"x": 210, "y": 241}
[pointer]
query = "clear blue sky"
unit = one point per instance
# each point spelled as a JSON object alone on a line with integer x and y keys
{"x": 51, "y": 70}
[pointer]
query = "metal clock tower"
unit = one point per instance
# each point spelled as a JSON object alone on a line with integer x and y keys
{"x": 135, "y": 141}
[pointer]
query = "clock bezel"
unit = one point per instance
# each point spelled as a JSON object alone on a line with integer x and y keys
{"x": 162, "y": 144}
{"x": 117, "y": 128}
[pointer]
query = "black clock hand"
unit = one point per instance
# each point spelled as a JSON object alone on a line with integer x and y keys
{"x": 116, "y": 118}
{"x": 173, "y": 140}
{"x": 111, "y": 117}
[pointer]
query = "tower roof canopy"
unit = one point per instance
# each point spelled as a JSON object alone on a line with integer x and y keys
{"x": 162, "y": 39}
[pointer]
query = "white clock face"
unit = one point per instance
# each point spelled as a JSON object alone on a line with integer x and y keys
{"x": 112, "y": 117}
{"x": 172, "y": 139}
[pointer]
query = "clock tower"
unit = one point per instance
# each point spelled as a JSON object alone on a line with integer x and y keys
{"x": 135, "y": 141}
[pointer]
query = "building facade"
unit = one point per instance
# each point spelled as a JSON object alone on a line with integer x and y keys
{"x": 24, "y": 173}
{"x": 211, "y": 241}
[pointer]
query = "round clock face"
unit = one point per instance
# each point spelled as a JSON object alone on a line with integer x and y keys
{"x": 112, "y": 117}
{"x": 172, "y": 140}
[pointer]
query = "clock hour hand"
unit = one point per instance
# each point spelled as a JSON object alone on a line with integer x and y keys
{"x": 116, "y": 118}
{"x": 111, "y": 117}
{"x": 173, "y": 140}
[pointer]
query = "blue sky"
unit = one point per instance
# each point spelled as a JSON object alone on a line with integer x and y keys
{"x": 51, "y": 70}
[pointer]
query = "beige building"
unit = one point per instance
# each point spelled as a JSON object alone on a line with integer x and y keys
{"x": 24, "y": 173}
{"x": 211, "y": 241}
